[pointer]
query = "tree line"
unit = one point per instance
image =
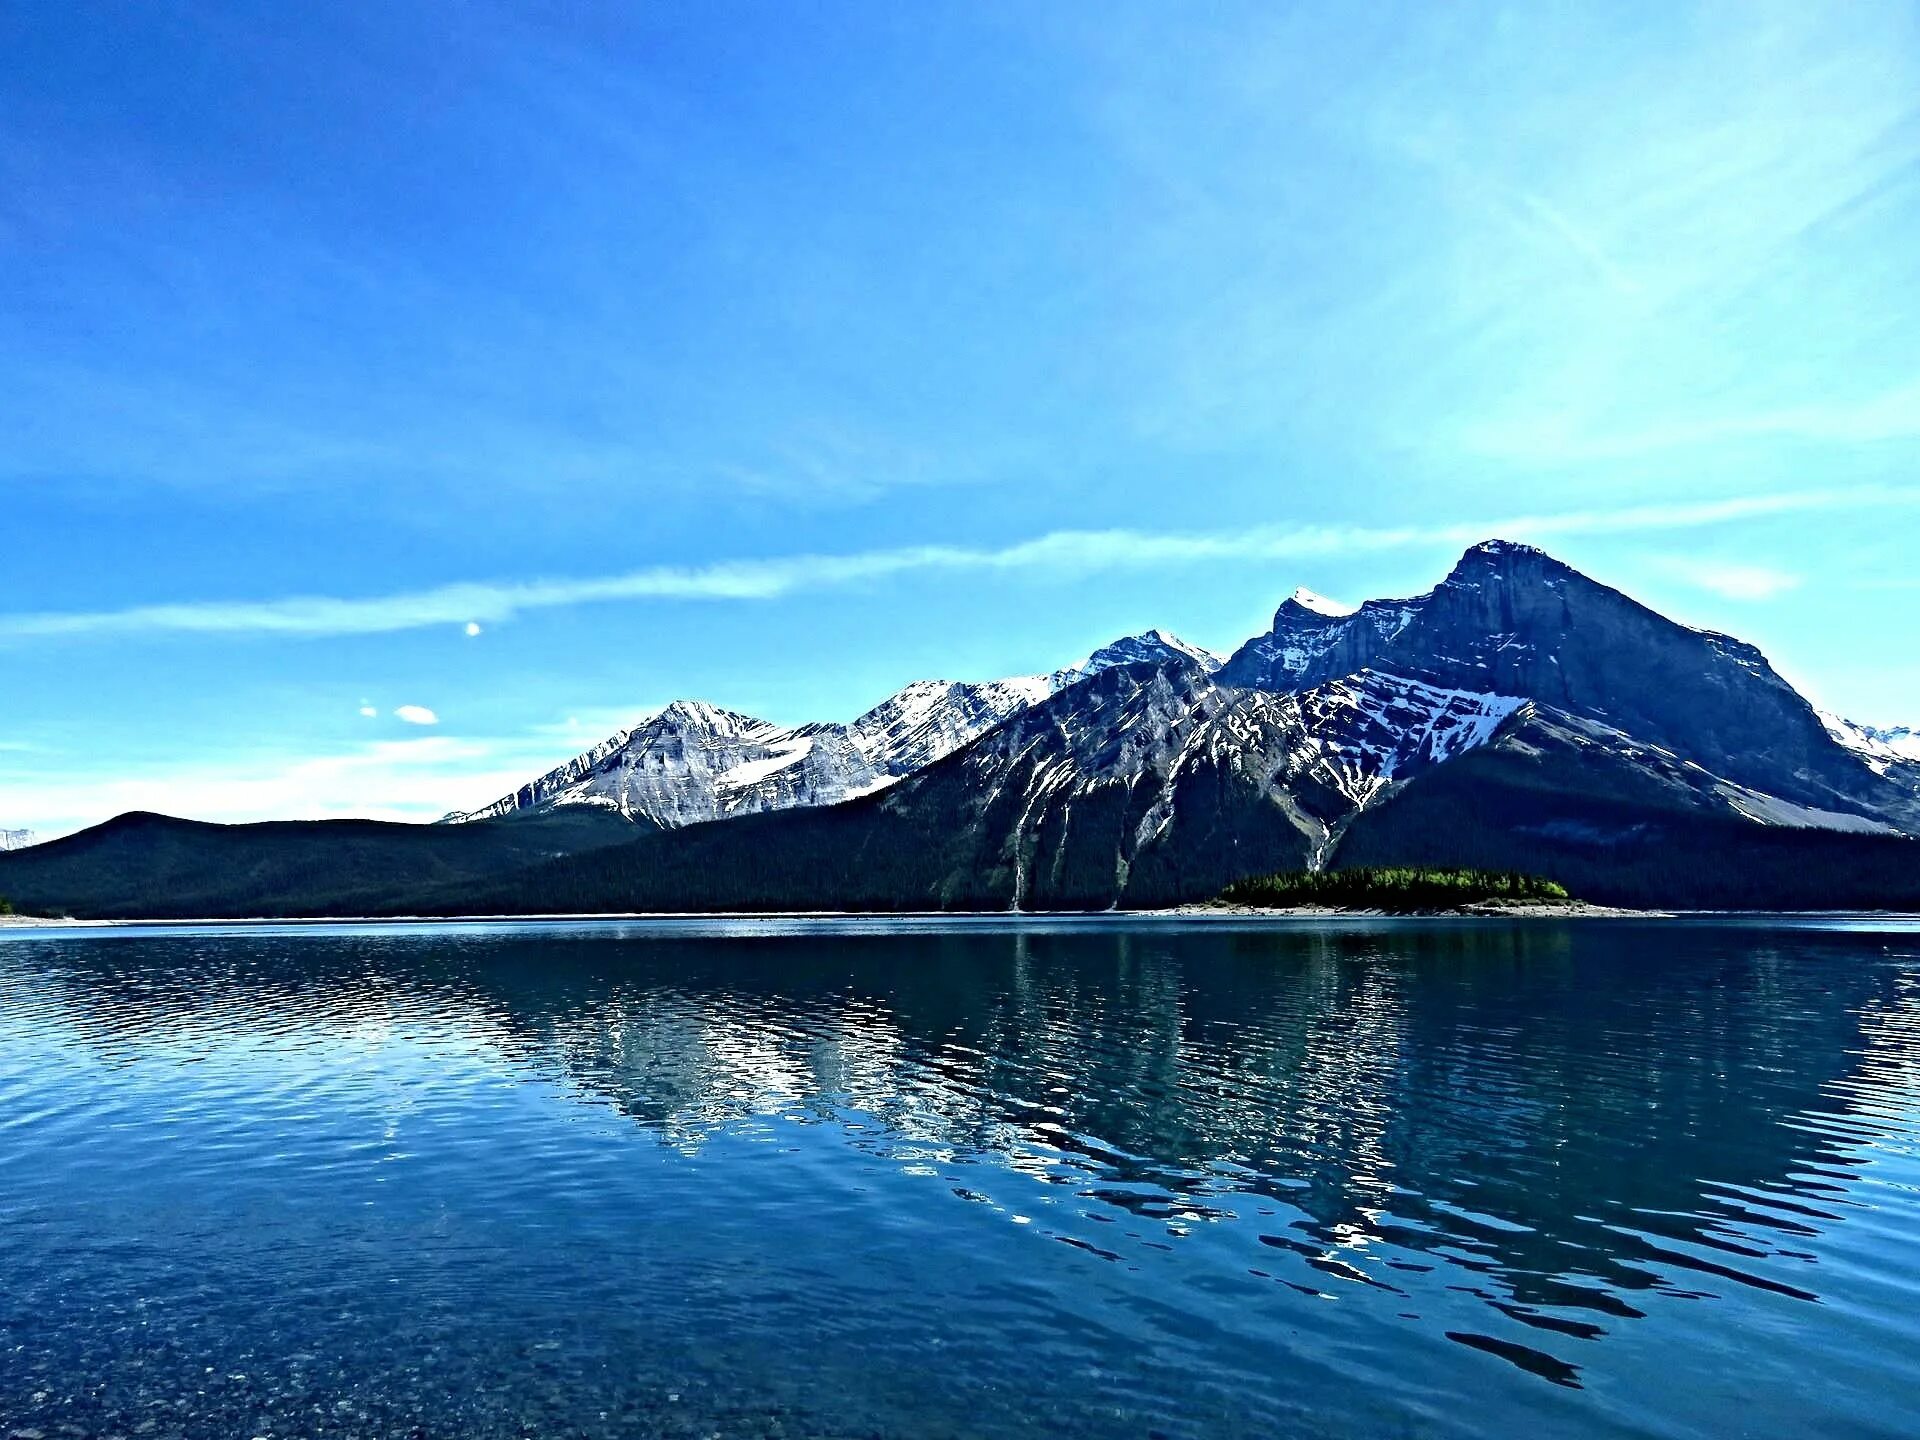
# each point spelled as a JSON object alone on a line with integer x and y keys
{"x": 1403, "y": 887}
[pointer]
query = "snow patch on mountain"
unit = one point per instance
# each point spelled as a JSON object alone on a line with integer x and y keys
{"x": 1320, "y": 604}
{"x": 1881, "y": 749}
{"x": 1372, "y": 729}
{"x": 780, "y": 756}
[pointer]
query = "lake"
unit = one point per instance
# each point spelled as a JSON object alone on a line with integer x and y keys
{"x": 962, "y": 1178}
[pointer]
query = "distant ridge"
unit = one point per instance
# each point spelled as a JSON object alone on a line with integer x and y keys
{"x": 691, "y": 761}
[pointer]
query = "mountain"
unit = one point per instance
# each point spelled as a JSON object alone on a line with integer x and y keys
{"x": 1142, "y": 785}
{"x": 1519, "y": 715}
{"x": 1511, "y": 620}
{"x": 1147, "y": 786}
{"x": 692, "y": 762}
{"x": 1152, "y": 785}
{"x": 16, "y": 839}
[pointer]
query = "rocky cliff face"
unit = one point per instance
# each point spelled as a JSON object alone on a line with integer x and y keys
{"x": 1120, "y": 787}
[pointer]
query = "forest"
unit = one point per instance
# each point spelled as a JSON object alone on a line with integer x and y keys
{"x": 1394, "y": 888}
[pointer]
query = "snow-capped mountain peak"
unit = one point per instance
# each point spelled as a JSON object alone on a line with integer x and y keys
{"x": 692, "y": 761}
{"x": 1507, "y": 549}
{"x": 1155, "y": 647}
{"x": 1319, "y": 604}
{"x": 701, "y": 716}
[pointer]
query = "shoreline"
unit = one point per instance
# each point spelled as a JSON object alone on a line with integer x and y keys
{"x": 1204, "y": 912}
{"x": 1477, "y": 909}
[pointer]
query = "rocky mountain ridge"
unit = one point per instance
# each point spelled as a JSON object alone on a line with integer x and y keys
{"x": 1508, "y": 625}
{"x": 691, "y": 762}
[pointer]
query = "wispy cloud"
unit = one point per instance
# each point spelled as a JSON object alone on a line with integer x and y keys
{"x": 1581, "y": 242}
{"x": 1063, "y": 553}
{"x": 1730, "y": 579}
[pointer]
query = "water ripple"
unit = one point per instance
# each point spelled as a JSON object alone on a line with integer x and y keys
{"x": 791, "y": 1179}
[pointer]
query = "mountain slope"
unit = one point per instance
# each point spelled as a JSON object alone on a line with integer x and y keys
{"x": 1619, "y": 822}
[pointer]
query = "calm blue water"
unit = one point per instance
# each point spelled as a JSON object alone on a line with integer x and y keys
{"x": 1086, "y": 1179}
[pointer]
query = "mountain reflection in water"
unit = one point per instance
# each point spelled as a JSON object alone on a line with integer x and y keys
{"x": 1342, "y": 1175}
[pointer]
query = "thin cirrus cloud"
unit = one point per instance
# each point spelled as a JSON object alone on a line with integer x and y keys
{"x": 1062, "y": 552}
{"x": 1732, "y": 580}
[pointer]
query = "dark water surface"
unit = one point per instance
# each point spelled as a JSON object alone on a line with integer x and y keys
{"x": 1086, "y": 1179}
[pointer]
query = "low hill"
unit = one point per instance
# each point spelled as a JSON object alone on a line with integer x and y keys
{"x": 142, "y": 865}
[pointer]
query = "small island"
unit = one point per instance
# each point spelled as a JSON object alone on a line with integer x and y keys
{"x": 1404, "y": 891}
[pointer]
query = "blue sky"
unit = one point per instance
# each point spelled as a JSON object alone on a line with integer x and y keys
{"x": 778, "y": 355}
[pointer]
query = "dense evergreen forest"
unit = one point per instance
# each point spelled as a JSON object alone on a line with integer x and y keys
{"x": 1391, "y": 888}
